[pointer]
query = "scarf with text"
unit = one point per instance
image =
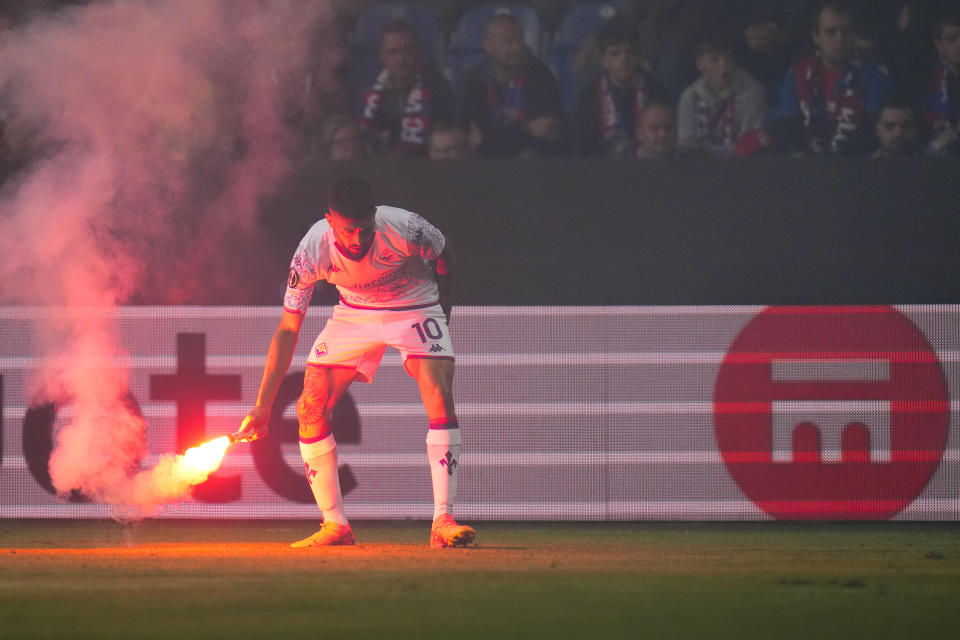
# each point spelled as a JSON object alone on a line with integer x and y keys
{"x": 415, "y": 122}
{"x": 829, "y": 120}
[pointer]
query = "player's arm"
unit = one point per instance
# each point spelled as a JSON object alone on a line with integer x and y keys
{"x": 445, "y": 267}
{"x": 279, "y": 356}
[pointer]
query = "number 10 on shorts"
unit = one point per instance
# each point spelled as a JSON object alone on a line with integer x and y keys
{"x": 429, "y": 328}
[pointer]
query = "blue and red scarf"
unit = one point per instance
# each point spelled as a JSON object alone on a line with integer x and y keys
{"x": 829, "y": 120}
{"x": 717, "y": 125}
{"x": 938, "y": 108}
{"x": 415, "y": 122}
{"x": 611, "y": 120}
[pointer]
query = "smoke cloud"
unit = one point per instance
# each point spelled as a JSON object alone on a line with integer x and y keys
{"x": 155, "y": 130}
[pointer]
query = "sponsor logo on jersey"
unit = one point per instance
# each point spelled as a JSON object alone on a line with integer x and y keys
{"x": 334, "y": 269}
{"x": 294, "y": 278}
{"x": 436, "y": 348}
{"x": 320, "y": 350}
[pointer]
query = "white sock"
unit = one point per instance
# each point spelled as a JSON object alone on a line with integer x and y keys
{"x": 443, "y": 451}
{"x": 320, "y": 460}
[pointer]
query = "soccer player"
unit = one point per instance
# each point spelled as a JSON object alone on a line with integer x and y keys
{"x": 394, "y": 272}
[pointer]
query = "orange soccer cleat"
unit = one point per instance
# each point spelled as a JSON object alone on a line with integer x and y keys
{"x": 331, "y": 534}
{"x": 445, "y": 532}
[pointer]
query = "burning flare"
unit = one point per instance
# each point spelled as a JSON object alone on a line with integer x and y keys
{"x": 173, "y": 475}
{"x": 202, "y": 460}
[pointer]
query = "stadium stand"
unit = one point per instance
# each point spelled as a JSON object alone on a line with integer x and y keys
{"x": 466, "y": 41}
{"x": 364, "y": 41}
{"x": 579, "y": 22}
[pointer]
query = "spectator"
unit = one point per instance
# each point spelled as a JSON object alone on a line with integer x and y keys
{"x": 657, "y": 132}
{"x": 608, "y": 107}
{"x": 339, "y": 138}
{"x": 941, "y": 105}
{"x": 905, "y": 46}
{"x": 722, "y": 105}
{"x": 898, "y": 130}
{"x": 511, "y": 101}
{"x": 765, "y": 50}
{"x": 828, "y": 100}
{"x": 668, "y": 29}
{"x": 448, "y": 141}
{"x": 406, "y": 98}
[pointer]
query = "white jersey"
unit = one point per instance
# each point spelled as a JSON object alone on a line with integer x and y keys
{"x": 393, "y": 274}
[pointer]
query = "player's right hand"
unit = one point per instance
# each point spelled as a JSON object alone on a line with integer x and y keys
{"x": 255, "y": 426}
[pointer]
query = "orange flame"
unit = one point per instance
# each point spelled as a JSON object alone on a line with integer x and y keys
{"x": 173, "y": 475}
{"x": 202, "y": 460}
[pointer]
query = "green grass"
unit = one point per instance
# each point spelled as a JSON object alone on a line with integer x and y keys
{"x": 176, "y": 579}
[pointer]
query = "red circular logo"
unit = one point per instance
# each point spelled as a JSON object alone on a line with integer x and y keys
{"x": 831, "y": 412}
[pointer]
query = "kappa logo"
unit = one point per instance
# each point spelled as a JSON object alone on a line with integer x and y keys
{"x": 320, "y": 350}
{"x": 449, "y": 463}
{"x": 334, "y": 269}
{"x": 436, "y": 348}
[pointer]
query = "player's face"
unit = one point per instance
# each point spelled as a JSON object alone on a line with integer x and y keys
{"x": 897, "y": 131}
{"x": 948, "y": 45}
{"x": 716, "y": 67}
{"x": 620, "y": 61}
{"x": 399, "y": 52}
{"x": 835, "y": 38}
{"x": 353, "y": 236}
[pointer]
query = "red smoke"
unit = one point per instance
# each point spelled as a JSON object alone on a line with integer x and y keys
{"x": 156, "y": 128}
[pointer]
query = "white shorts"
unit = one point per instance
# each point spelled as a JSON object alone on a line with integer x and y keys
{"x": 356, "y": 338}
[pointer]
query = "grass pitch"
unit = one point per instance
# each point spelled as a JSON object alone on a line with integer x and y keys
{"x": 189, "y": 579}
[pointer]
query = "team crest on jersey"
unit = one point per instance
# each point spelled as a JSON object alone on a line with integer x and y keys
{"x": 294, "y": 278}
{"x": 320, "y": 350}
{"x": 387, "y": 255}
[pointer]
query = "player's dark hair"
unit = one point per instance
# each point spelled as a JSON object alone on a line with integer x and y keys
{"x": 614, "y": 34}
{"x": 351, "y": 198}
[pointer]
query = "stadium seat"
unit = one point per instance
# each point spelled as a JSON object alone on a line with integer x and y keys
{"x": 466, "y": 41}
{"x": 579, "y": 22}
{"x": 365, "y": 41}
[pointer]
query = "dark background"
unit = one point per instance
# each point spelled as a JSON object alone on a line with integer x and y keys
{"x": 583, "y": 232}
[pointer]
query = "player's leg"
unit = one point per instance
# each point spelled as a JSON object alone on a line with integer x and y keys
{"x": 322, "y": 389}
{"x": 434, "y": 377}
{"x": 349, "y": 348}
